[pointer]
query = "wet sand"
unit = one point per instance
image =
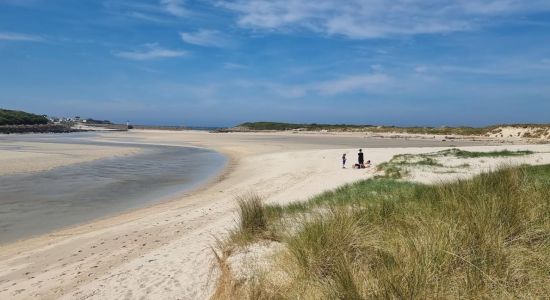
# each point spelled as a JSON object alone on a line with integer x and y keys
{"x": 40, "y": 201}
{"x": 22, "y": 153}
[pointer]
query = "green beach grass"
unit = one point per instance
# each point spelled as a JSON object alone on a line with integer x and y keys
{"x": 487, "y": 237}
{"x": 398, "y": 166}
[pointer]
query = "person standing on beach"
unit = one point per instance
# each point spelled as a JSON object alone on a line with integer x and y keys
{"x": 344, "y": 161}
{"x": 361, "y": 159}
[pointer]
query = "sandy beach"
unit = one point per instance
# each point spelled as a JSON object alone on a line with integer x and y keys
{"x": 164, "y": 251}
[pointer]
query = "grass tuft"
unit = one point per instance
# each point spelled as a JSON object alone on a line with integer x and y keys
{"x": 252, "y": 215}
{"x": 255, "y": 221}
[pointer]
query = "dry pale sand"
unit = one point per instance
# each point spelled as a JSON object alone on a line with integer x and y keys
{"x": 164, "y": 251}
{"x": 19, "y": 157}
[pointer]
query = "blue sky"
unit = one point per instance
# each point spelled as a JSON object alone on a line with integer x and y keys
{"x": 222, "y": 62}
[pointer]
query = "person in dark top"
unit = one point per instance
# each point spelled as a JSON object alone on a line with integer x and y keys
{"x": 361, "y": 159}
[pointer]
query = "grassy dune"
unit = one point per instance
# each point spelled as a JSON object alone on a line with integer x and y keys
{"x": 462, "y": 130}
{"x": 370, "y": 128}
{"x": 486, "y": 237}
{"x": 399, "y": 165}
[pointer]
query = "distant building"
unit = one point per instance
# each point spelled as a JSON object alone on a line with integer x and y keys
{"x": 54, "y": 120}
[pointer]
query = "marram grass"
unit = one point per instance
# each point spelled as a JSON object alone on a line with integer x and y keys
{"x": 483, "y": 238}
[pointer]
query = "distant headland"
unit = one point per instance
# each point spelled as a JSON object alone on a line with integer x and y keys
{"x": 14, "y": 121}
{"x": 525, "y": 131}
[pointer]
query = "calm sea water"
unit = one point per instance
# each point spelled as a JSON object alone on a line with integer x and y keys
{"x": 37, "y": 203}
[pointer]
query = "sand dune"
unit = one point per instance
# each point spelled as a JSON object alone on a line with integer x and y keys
{"x": 163, "y": 251}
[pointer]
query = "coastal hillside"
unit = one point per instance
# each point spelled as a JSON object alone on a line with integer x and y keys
{"x": 525, "y": 131}
{"x": 15, "y": 121}
{"x": 15, "y": 117}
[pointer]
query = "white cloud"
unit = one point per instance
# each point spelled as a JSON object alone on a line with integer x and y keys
{"x": 362, "y": 19}
{"x": 205, "y": 37}
{"x": 151, "y": 51}
{"x": 147, "y": 17}
{"x": 497, "y": 67}
{"x": 159, "y": 11}
{"x": 174, "y": 7}
{"x": 361, "y": 83}
{"x": 420, "y": 69}
{"x": 377, "y": 67}
{"x": 19, "y": 37}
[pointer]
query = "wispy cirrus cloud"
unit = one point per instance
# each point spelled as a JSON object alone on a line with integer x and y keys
{"x": 363, "y": 19}
{"x": 174, "y": 7}
{"x": 158, "y": 11}
{"x": 357, "y": 83}
{"x": 490, "y": 69}
{"x": 205, "y": 37}
{"x": 146, "y": 17}
{"x": 150, "y": 52}
{"x": 361, "y": 83}
{"x": 20, "y": 37}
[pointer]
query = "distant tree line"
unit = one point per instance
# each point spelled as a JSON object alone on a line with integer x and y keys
{"x": 93, "y": 121}
{"x": 14, "y": 117}
{"x": 291, "y": 126}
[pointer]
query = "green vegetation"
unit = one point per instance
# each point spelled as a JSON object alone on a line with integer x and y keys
{"x": 14, "y": 117}
{"x": 468, "y": 154}
{"x": 369, "y": 128}
{"x": 486, "y": 238}
{"x": 254, "y": 220}
{"x": 100, "y": 122}
{"x": 398, "y": 166}
{"x": 392, "y": 170}
{"x": 395, "y": 168}
{"x": 462, "y": 130}
{"x": 290, "y": 126}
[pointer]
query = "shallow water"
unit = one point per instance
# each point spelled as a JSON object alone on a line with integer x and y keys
{"x": 37, "y": 203}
